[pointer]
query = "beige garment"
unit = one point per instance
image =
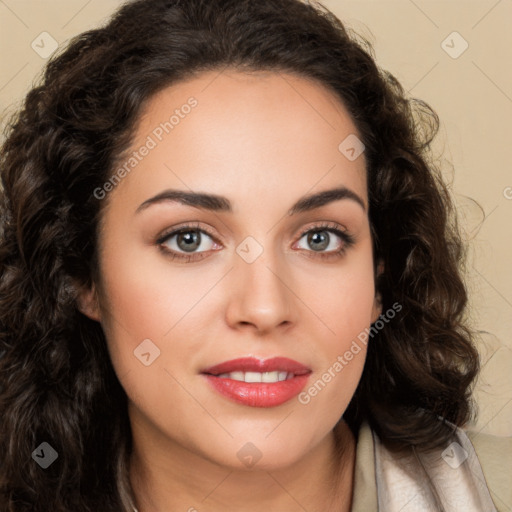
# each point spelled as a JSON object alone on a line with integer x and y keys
{"x": 494, "y": 457}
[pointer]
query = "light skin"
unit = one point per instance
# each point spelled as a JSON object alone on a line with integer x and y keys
{"x": 263, "y": 141}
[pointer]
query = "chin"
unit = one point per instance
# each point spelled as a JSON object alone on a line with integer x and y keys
{"x": 264, "y": 452}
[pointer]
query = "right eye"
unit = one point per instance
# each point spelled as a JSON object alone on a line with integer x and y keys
{"x": 187, "y": 243}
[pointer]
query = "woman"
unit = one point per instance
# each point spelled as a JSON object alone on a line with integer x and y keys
{"x": 229, "y": 277}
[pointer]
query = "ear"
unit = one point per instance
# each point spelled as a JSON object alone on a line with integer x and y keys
{"x": 377, "y": 302}
{"x": 88, "y": 303}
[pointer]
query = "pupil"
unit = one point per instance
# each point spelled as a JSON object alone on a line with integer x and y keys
{"x": 320, "y": 239}
{"x": 192, "y": 240}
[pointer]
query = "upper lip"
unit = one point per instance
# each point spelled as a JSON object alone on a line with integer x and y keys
{"x": 253, "y": 364}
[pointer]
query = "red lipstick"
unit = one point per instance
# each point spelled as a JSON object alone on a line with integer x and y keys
{"x": 256, "y": 382}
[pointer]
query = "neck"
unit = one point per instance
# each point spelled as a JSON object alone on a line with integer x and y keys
{"x": 176, "y": 479}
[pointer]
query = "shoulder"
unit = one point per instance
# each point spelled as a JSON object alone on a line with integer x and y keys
{"x": 495, "y": 456}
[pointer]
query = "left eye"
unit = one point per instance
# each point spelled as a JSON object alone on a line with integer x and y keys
{"x": 322, "y": 240}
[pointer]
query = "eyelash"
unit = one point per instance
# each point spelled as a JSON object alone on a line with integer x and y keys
{"x": 348, "y": 241}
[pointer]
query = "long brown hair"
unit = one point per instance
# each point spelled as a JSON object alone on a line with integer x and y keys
{"x": 57, "y": 382}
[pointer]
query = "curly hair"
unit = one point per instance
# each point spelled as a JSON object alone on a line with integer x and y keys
{"x": 57, "y": 381}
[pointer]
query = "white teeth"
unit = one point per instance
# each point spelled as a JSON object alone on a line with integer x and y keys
{"x": 268, "y": 377}
{"x": 252, "y": 377}
{"x": 236, "y": 376}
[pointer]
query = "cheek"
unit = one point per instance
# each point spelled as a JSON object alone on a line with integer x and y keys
{"x": 145, "y": 295}
{"x": 348, "y": 318}
{"x": 344, "y": 298}
{"x": 149, "y": 298}
{"x": 343, "y": 354}
{"x": 353, "y": 311}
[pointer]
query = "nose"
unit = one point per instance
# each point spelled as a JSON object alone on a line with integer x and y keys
{"x": 262, "y": 298}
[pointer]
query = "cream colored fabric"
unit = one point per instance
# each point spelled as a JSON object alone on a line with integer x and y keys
{"x": 459, "y": 483}
{"x": 495, "y": 455}
{"x": 365, "y": 488}
{"x": 447, "y": 479}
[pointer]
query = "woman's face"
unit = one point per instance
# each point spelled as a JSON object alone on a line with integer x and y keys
{"x": 242, "y": 280}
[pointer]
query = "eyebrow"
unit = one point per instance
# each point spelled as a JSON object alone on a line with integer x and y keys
{"x": 217, "y": 203}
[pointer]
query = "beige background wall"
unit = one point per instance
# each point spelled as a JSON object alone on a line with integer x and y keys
{"x": 470, "y": 88}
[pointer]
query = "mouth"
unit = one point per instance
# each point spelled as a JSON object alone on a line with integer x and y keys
{"x": 258, "y": 383}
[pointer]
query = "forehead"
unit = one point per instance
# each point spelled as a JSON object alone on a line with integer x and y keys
{"x": 236, "y": 131}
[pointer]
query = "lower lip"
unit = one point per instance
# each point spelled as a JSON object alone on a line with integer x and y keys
{"x": 259, "y": 394}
